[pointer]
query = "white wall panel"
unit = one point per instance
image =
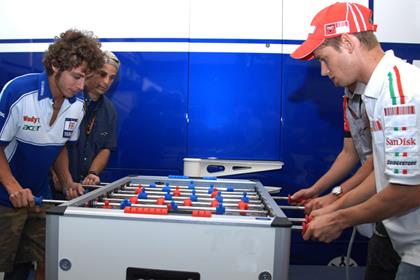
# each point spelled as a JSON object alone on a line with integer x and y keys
{"x": 207, "y": 19}
{"x": 44, "y": 19}
{"x": 398, "y": 21}
{"x": 298, "y": 15}
{"x": 236, "y": 19}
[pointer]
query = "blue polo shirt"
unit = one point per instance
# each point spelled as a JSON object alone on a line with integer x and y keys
{"x": 98, "y": 131}
{"x": 31, "y": 144}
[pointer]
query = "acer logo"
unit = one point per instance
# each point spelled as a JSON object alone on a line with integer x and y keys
{"x": 31, "y": 127}
{"x": 401, "y": 142}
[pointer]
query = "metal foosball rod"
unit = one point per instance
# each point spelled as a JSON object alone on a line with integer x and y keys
{"x": 204, "y": 192}
{"x": 184, "y": 209}
{"x": 196, "y": 188}
{"x": 297, "y": 220}
{"x": 270, "y": 189}
{"x": 290, "y": 201}
{"x": 100, "y": 185}
{"x": 292, "y": 207}
{"x": 279, "y": 197}
{"x": 295, "y": 227}
{"x": 39, "y": 200}
{"x": 155, "y": 191}
{"x": 209, "y": 200}
{"x": 288, "y": 198}
{"x": 180, "y": 200}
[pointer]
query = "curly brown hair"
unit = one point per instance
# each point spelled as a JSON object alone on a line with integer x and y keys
{"x": 73, "y": 48}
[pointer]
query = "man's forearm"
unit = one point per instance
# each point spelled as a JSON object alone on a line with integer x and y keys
{"x": 362, "y": 173}
{"x": 61, "y": 167}
{"x": 6, "y": 177}
{"x": 393, "y": 200}
{"x": 100, "y": 161}
{"x": 356, "y": 196}
{"x": 343, "y": 164}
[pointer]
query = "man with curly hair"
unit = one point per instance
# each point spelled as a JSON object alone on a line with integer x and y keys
{"x": 39, "y": 114}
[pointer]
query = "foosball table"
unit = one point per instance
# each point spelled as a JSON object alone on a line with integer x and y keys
{"x": 148, "y": 227}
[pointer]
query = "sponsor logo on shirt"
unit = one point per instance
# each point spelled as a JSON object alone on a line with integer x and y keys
{"x": 31, "y": 127}
{"x": 31, "y": 119}
{"x": 401, "y": 141}
{"x": 400, "y": 110}
{"x": 69, "y": 126}
{"x": 30, "y": 123}
{"x": 337, "y": 28}
{"x": 2, "y": 114}
{"x": 402, "y": 163}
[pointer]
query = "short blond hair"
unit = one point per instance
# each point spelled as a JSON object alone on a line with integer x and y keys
{"x": 112, "y": 59}
{"x": 367, "y": 39}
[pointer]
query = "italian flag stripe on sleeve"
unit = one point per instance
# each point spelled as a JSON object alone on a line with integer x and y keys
{"x": 395, "y": 86}
{"x": 400, "y": 90}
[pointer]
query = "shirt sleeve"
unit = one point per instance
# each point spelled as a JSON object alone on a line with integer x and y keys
{"x": 401, "y": 134}
{"x": 9, "y": 116}
{"x": 347, "y": 133}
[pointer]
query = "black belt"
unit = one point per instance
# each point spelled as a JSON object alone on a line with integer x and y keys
{"x": 380, "y": 230}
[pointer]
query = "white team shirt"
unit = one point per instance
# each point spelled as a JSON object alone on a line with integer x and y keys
{"x": 392, "y": 100}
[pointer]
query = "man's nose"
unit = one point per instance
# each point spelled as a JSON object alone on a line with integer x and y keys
{"x": 324, "y": 70}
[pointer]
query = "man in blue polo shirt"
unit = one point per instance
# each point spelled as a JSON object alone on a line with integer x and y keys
{"x": 39, "y": 114}
{"x": 90, "y": 154}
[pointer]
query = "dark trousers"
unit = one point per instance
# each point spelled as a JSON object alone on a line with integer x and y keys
{"x": 382, "y": 261}
{"x": 20, "y": 272}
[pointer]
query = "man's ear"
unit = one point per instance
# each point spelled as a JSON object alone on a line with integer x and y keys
{"x": 55, "y": 69}
{"x": 349, "y": 42}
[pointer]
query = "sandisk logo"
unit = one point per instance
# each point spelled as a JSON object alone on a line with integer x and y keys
{"x": 401, "y": 142}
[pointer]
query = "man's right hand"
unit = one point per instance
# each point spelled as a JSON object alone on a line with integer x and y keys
{"x": 319, "y": 202}
{"x": 325, "y": 210}
{"x": 73, "y": 190}
{"x": 22, "y": 198}
{"x": 302, "y": 196}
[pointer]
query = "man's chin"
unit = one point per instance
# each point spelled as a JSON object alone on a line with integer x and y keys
{"x": 69, "y": 95}
{"x": 100, "y": 92}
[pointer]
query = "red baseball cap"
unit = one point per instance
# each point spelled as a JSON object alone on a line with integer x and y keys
{"x": 332, "y": 21}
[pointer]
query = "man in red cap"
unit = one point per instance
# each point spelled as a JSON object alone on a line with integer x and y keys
{"x": 344, "y": 43}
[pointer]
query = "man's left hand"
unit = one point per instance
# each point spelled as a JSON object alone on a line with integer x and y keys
{"x": 91, "y": 179}
{"x": 73, "y": 190}
{"x": 325, "y": 228}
